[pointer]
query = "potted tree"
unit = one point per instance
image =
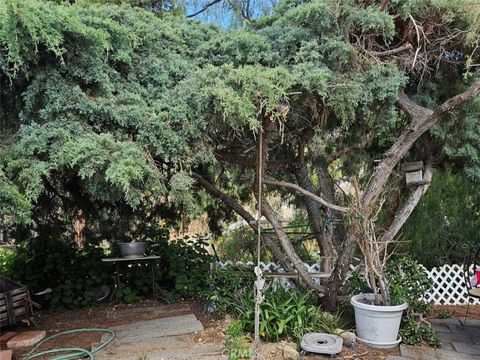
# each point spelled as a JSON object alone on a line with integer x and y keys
{"x": 377, "y": 315}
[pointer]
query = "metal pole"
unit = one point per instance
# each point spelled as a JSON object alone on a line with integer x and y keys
{"x": 258, "y": 272}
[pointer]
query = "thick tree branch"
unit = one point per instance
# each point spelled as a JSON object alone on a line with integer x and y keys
{"x": 421, "y": 123}
{"x": 306, "y": 193}
{"x": 315, "y": 215}
{"x": 267, "y": 211}
{"x": 411, "y": 107}
{"x": 235, "y": 206}
{"x": 390, "y": 52}
{"x": 406, "y": 210}
{"x": 289, "y": 249}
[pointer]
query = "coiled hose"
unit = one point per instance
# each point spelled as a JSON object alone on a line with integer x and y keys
{"x": 70, "y": 353}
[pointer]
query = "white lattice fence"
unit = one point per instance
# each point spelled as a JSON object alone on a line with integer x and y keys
{"x": 448, "y": 281}
{"x": 266, "y": 267}
{"x": 448, "y": 286}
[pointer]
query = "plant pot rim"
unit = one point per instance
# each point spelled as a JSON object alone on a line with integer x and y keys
{"x": 132, "y": 242}
{"x": 379, "y": 308}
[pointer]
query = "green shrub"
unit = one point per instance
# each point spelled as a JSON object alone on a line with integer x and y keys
{"x": 446, "y": 216}
{"x": 7, "y": 257}
{"x": 237, "y": 344}
{"x": 283, "y": 313}
{"x": 407, "y": 282}
{"x": 76, "y": 276}
{"x": 223, "y": 284}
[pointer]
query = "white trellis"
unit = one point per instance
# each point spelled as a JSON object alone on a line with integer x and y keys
{"x": 448, "y": 286}
{"x": 448, "y": 281}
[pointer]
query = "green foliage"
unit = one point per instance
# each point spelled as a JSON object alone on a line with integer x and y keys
{"x": 447, "y": 215}
{"x": 189, "y": 266}
{"x": 14, "y": 207}
{"x": 283, "y": 313}
{"x": 75, "y": 276}
{"x": 236, "y": 245}
{"x": 237, "y": 344}
{"x": 413, "y": 332}
{"x": 408, "y": 282}
{"x": 225, "y": 284}
{"x": 7, "y": 257}
{"x": 105, "y": 92}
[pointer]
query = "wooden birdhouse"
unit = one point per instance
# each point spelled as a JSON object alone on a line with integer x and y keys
{"x": 413, "y": 173}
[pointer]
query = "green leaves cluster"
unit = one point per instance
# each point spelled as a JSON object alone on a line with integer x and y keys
{"x": 408, "y": 282}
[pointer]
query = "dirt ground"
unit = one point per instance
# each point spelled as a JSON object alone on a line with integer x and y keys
{"x": 456, "y": 311}
{"x": 109, "y": 315}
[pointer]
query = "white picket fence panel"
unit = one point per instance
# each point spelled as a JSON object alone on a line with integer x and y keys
{"x": 448, "y": 281}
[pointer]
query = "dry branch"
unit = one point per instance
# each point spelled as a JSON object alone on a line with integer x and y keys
{"x": 306, "y": 193}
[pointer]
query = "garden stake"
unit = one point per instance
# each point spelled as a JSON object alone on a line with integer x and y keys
{"x": 260, "y": 282}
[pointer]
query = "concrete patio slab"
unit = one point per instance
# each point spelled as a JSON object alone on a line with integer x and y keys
{"x": 441, "y": 328}
{"x": 465, "y": 330}
{"x": 450, "y": 337}
{"x": 445, "y": 322}
{"x": 415, "y": 352}
{"x": 176, "y": 325}
{"x": 160, "y": 339}
{"x": 462, "y": 342}
{"x": 467, "y": 348}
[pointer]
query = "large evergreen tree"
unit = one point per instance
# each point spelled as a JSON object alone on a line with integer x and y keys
{"x": 113, "y": 104}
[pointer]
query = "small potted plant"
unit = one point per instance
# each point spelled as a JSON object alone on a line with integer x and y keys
{"x": 377, "y": 315}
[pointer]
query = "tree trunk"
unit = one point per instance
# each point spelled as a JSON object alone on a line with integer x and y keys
{"x": 406, "y": 210}
{"x": 290, "y": 250}
{"x": 232, "y": 204}
{"x": 340, "y": 272}
{"x": 315, "y": 215}
{"x": 78, "y": 226}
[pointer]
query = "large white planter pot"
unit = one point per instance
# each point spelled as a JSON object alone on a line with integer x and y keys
{"x": 377, "y": 326}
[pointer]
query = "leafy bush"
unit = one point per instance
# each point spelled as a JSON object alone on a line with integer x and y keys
{"x": 446, "y": 216}
{"x": 76, "y": 276}
{"x": 7, "y": 257}
{"x": 407, "y": 282}
{"x": 283, "y": 313}
{"x": 237, "y": 343}
{"x": 223, "y": 284}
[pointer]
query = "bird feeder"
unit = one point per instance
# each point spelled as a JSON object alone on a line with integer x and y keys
{"x": 414, "y": 173}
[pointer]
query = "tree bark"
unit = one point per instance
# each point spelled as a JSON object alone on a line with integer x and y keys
{"x": 290, "y": 250}
{"x": 78, "y": 226}
{"x": 267, "y": 211}
{"x": 406, "y": 210}
{"x": 422, "y": 120}
{"x": 306, "y": 193}
{"x": 315, "y": 215}
{"x": 251, "y": 221}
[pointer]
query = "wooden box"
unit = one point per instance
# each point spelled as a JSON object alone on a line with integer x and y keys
{"x": 14, "y": 305}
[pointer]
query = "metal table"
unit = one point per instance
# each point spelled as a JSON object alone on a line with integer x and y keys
{"x": 118, "y": 260}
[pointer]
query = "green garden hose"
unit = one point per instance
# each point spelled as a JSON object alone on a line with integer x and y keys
{"x": 70, "y": 353}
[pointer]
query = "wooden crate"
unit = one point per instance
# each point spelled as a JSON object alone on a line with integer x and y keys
{"x": 12, "y": 306}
